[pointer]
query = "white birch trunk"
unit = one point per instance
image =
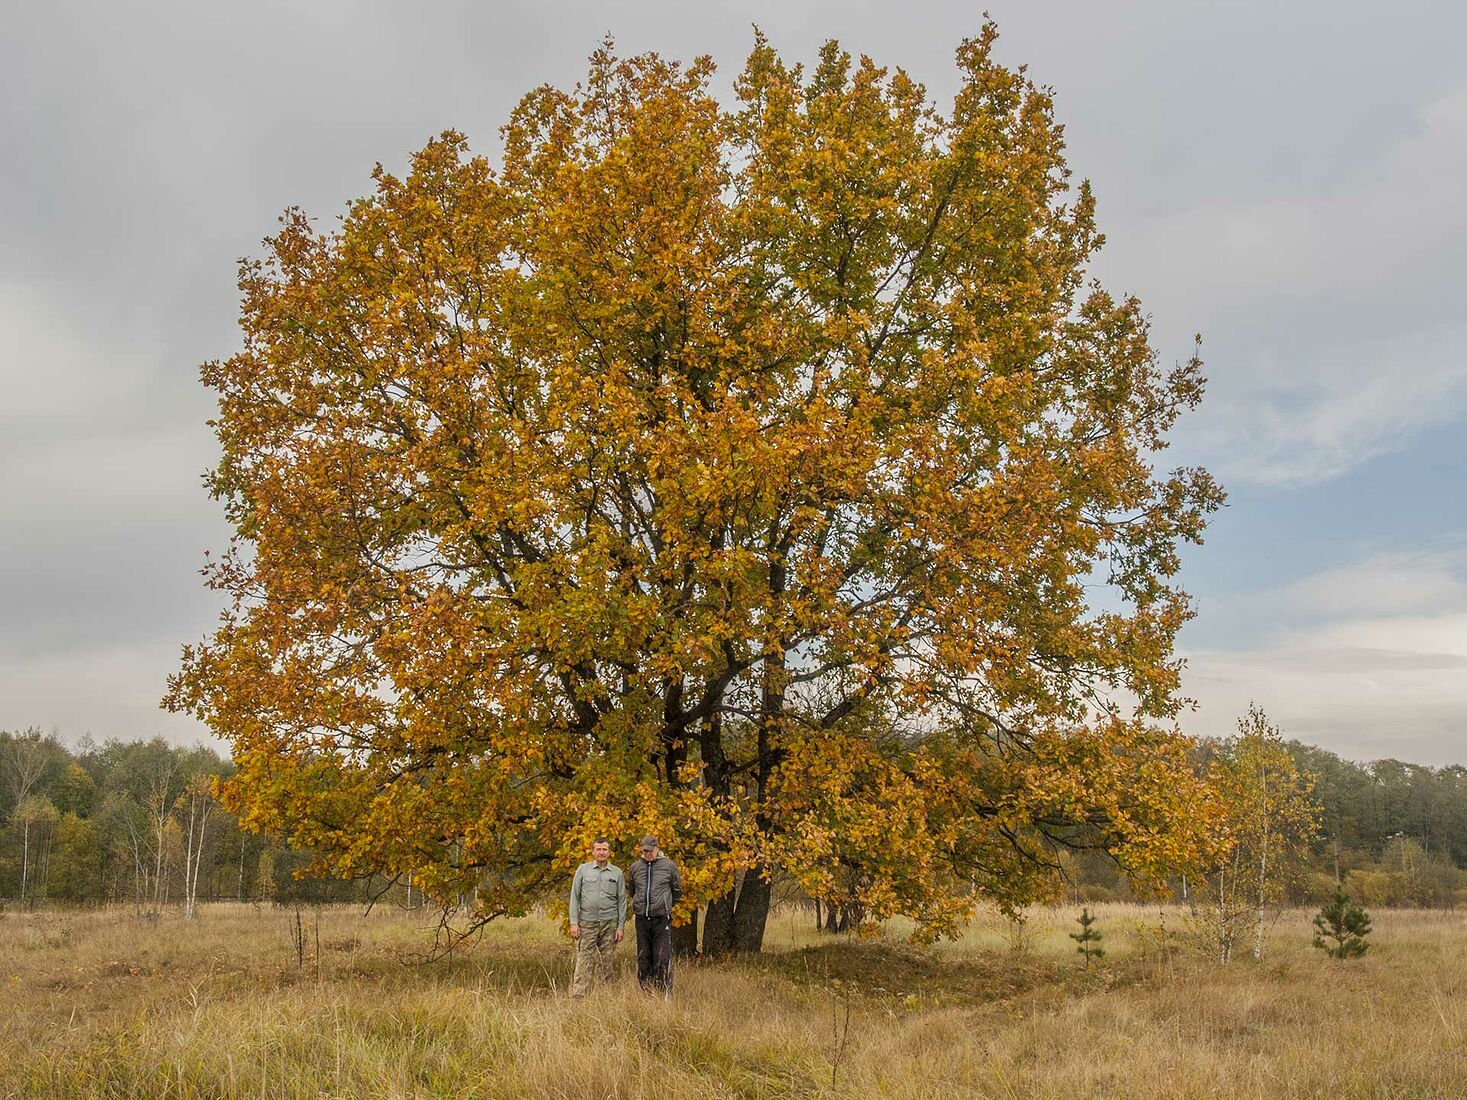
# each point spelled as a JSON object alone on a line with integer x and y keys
{"x": 1262, "y": 859}
{"x": 198, "y": 819}
{"x": 25, "y": 857}
{"x": 189, "y": 860}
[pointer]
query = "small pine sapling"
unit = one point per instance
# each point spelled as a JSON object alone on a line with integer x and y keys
{"x": 1344, "y": 923}
{"x": 1088, "y": 938}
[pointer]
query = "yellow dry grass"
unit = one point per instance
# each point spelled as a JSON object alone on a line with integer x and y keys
{"x": 104, "y": 1005}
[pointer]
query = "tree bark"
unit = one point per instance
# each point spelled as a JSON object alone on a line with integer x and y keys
{"x": 734, "y": 923}
{"x": 685, "y": 938}
{"x": 751, "y": 914}
{"x": 718, "y": 926}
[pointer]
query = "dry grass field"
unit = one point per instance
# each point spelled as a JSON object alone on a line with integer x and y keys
{"x": 105, "y": 1005}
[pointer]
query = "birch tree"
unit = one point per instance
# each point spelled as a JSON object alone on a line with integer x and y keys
{"x": 1269, "y": 823}
{"x": 33, "y": 820}
{"x": 194, "y": 808}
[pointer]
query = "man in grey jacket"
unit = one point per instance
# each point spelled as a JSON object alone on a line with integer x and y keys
{"x": 598, "y": 912}
{"x": 654, "y": 886}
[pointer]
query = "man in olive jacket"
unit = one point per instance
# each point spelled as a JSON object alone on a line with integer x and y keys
{"x": 654, "y": 886}
{"x": 598, "y": 912}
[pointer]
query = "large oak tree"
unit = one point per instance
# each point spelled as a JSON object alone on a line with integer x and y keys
{"x": 767, "y": 475}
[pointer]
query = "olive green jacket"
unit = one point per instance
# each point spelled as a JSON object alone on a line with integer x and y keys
{"x": 598, "y": 894}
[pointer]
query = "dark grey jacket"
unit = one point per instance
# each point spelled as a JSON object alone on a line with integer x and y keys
{"x": 653, "y": 888}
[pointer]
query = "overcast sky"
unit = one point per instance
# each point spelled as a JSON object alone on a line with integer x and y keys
{"x": 1285, "y": 177}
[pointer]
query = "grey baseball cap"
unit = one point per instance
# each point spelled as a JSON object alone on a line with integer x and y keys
{"x": 649, "y": 842}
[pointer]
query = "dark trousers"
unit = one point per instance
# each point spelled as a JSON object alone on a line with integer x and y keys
{"x": 654, "y": 952}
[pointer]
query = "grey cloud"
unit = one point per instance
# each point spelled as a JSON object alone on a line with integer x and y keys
{"x": 1367, "y": 659}
{"x": 103, "y": 543}
{"x": 105, "y": 691}
{"x": 1361, "y": 703}
{"x": 1278, "y": 176}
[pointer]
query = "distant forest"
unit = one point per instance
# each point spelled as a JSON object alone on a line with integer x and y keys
{"x": 135, "y": 822}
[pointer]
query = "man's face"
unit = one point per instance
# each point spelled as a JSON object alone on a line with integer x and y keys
{"x": 649, "y": 854}
{"x": 601, "y": 852}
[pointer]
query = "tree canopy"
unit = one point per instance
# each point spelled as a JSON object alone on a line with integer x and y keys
{"x": 768, "y": 475}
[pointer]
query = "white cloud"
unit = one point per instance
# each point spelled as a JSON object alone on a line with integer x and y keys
{"x": 1381, "y": 672}
{"x": 1324, "y": 413}
{"x": 1333, "y": 321}
{"x": 1391, "y": 585}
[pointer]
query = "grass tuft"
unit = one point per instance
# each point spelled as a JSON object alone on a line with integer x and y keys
{"x": 100, "y": 1005}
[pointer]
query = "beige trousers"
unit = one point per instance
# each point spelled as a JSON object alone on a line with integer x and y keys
{"x": 593, "y": 955}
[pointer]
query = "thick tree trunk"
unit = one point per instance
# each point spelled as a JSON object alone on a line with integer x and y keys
{"x": 674, "y": 745}
{"x": 734, "y": 923}
{"x": 751, "y": 914}
{"x": 832, "y": 916}
{"x": 718, "y": 926}
{"x": 685, "y": 938}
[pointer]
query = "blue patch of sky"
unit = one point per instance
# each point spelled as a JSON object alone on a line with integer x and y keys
{"x": 1406, "y": 501}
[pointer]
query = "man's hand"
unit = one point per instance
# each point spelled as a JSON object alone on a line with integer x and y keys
{"x": 619, "y": 935}
{"x": 575, "y": 931}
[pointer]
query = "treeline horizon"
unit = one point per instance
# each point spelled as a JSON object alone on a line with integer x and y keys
{"x": 135, "y": 822}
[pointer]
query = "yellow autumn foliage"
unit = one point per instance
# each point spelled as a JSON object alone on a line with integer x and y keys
{"x": 738, "y": 472}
